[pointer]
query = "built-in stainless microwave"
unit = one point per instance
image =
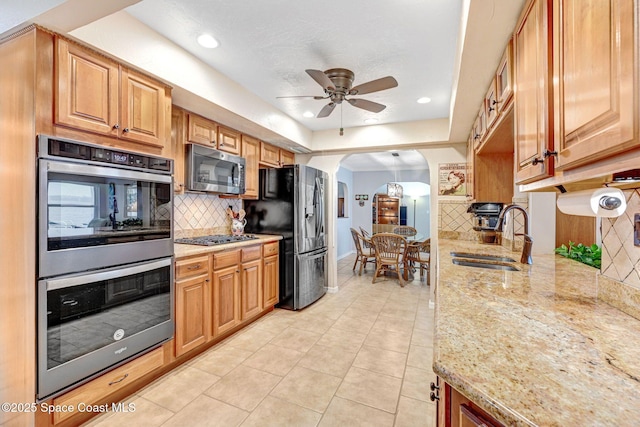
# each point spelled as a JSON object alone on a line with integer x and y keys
{"x": 214, "y": 171}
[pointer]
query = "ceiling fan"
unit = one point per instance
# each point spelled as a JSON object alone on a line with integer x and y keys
{"x": 337, "y": 82}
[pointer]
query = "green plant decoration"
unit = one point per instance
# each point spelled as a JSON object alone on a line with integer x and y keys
{"x": 590, "y": 255}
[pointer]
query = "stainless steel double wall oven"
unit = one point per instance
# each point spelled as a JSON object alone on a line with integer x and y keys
{"x": 105, "y": 259}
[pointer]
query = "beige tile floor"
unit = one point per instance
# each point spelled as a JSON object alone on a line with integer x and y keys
{"x": 358, "y": 357}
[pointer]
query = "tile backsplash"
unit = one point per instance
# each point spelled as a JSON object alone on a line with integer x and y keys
{"x": 195, "y": 214}
{"x": 454, "y": 221}
{"x": 620, "y": 258}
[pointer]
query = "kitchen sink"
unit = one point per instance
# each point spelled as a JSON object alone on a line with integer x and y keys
{"x": 481, "y": 256}
{"x": 481, "y": 264}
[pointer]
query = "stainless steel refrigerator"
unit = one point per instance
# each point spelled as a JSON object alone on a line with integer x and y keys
{"x": 293, "y": 204}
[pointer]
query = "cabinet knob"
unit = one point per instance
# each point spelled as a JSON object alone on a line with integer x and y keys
{"x": 434, "y": 387}
{"x": 434, "y": 397}
{"x": 548, "y": 153}
{"x": 125, "y": 130}
{"x": 536, "y": 161}
{"x": 116, "y": 126}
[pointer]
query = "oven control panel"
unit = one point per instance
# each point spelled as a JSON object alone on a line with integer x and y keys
{"x": 59, "y": 147}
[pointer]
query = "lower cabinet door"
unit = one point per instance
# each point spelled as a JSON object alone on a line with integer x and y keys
{"x": 226, "y": 299}
{"x": 251, "y": 289}
{"x": 271, "y": 281}
{"x": 192, "y": 308}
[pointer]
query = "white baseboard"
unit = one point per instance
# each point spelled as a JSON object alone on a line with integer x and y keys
{"x": 346, "y": 255}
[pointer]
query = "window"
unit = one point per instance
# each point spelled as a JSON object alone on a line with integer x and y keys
{"x": 342, "y": 200}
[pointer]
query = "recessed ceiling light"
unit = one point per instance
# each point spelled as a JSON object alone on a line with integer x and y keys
{"x": 208, "y": 41}
{"x": 424, "y": 100}
{"x": 308, "y": 114}
{"x": 371, "y": 121}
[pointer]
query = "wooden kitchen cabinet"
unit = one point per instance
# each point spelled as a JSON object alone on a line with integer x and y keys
{"x": 287, "y": 157}
{"x": 96, "y": 94}
{"x": 276, "y": 157}
{"x": 193, "y": 303}
{"x": 229, "y": 140}
{"x": 491, "y": 104}
{"x": 178, "y": 135}
{"x": 455, "y": 410}
{"x": 251, "y": 282}
{"x": 533, "y": 95}
{"x": 96, "y": 391}
{"x": 251, "y": 153}
{"x": 201, "y": 131}
{"x": 595, "y": 78}
{"x": 504, "y": 79}
{"x": 271, "y": 278}
{"x": 269, "y": 154}
{"x": 226, "y": 291}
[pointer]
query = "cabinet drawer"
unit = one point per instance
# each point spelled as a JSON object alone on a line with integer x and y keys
{"x": 270, "y": 249}
{"x": 191, "y": 267}
{"x": 226, "y": 259}
{"x": 108, "y": 383}
{"x": 251, "y": 253}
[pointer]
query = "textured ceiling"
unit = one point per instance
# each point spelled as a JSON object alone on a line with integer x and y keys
{"x": 447, "y": 50}
{"x": 265, "y": 46}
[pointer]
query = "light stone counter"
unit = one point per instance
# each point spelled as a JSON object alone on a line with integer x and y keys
{"x": 181, "y": 250}
{"x": 537, "y": 346}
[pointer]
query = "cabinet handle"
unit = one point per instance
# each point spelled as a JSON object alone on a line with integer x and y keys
{"x": 434, "y": 397}
{"x": 434, "y": 387}
{"x": 122, "y": 379}
{"x": 536, "y": 161}
{"x": 194, "y": 267}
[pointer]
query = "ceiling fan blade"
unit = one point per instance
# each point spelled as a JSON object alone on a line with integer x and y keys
{"x": 303, "y": 96}
{"x": 374, "y": 86}
{"x": 326, "y": 110}
{"x": 321, "y": 78}
{"x": 374, "y": 107}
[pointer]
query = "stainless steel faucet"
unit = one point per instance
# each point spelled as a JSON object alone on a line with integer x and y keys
{"x": 528, "y": 241}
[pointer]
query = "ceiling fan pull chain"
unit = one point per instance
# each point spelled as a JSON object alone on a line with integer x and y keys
{"x": 341, "y": 129}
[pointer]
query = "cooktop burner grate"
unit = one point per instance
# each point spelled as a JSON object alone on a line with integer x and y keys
{"x": 216, "y": 239}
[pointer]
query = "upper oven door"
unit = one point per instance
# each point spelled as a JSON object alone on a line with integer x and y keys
{"x": 214, "y": 171}
{"x": 86, "y": 211}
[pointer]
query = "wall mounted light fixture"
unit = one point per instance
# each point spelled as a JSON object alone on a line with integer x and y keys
{"x": 361, "y": 198}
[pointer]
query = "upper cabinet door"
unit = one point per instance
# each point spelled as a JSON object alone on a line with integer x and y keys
{"x": 86, "y": 91}
{"x": 202, "y": 131}
{"x": 504, "y": 78}
{"x": 251, "y": 154}
{"x": 269, "y": 154}
{"x": 142, "y": 109}
{"x": 533, "y": 94}
{"x": 229, "y": 140}
{"x": 596, "y": 86}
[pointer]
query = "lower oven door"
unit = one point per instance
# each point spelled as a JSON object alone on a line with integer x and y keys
{"x": 88, "y": 323}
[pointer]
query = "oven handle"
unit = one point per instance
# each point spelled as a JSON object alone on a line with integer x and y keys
{"x": 111, "y": 273}
{"x": 107, "y": 172}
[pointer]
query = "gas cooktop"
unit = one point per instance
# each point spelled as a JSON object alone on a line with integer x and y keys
{"x": 216, "y": 239}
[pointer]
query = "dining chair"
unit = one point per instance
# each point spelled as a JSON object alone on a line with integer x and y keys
{"x": 405, "y": 230}
{"x": 389, "y": 249}
{"x": 364, "y": 254}
{"x": 419, "y": 253}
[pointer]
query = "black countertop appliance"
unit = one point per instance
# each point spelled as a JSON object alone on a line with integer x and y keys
{"x": 485, "y": 214}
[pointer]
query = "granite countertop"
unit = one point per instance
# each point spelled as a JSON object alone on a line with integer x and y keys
{"x": 182, "y": 250}
{"x": 536, "y": 346}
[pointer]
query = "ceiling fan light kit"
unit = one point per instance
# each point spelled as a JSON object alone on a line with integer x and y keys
{"x": 337, "y": 85}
